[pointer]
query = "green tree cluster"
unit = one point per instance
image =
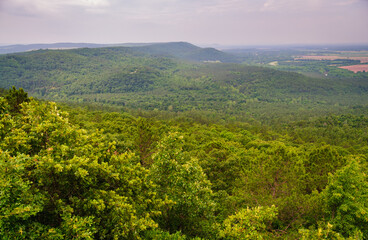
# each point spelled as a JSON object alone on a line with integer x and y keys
{"x": 108, "y": 175}
{"x": 58, "y": 181}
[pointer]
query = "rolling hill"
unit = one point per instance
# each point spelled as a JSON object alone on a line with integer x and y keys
{"x": 175, "y": 77}
{"x": 180, "y": 50}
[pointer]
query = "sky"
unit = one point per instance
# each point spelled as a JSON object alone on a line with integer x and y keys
{"x": 224, "y": 22}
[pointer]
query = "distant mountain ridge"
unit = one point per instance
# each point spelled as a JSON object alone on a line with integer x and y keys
{"x": 187, "y": 51}
{"x": 31, "y": 47}
{"x": 16, "y": 48}
{"x": 182, "y": 50}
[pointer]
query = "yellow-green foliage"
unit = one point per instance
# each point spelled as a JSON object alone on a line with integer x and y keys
{"x": 182, "y": 180}
{"x": 325, "y": 231}
{"x": 59, "y": 181}
{"x": 104, "y": 175}
{"x": 346, "y": 197}
{"x": 249, "y": 223}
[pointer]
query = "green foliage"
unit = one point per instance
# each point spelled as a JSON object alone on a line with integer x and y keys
{"x": 323, "y": 232}
{"x": 162, "y": 235}
{"x": 346, "y": 200}
{"x": 15, "y": 98}
{"x": 76, "y": 227}
{"x": 181, "y": 179}
{"x": 60, "y": 180}
{"x": 3, "y": 92}
{"x": 145, "y": 138}
{"x": 347, "y": 131}
{"x": 320, "y": 163}
{"x": 274, "y": 174}
{"x": 245, "y": 165}
{"x": 249, "y": 223}
{"x": 19, "y": 201}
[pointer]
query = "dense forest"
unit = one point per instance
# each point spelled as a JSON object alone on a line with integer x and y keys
{"x": 147, "y": 144}
{"x": 180, "y": 77}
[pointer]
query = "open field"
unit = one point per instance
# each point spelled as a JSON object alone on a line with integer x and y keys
{"x": 356, "y": 68}
{"x": 332, "y": 57}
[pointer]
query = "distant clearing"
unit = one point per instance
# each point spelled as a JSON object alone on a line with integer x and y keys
{"x": 356, "y": 68}
{"x": 275, "y": 63}
{"x": 361, "y": 59}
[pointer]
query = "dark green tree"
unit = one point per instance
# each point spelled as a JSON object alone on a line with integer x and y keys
{"x": 145, "y": 139}
{"x": 181, "y": 179}
{"x": 15, "y": 98}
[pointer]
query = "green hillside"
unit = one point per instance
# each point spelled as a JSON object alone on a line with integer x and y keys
{"x": 160, "y": 77}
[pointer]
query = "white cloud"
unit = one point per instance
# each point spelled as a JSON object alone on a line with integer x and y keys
{"x": 37, "y": 7}
{"x": 146, "y": 8}
{"x": 293, "y": 5}
{"x": 306, "y": 5}
{"x": 193, "y": 20}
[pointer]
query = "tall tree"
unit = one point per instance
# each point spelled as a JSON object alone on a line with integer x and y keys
{"x": 15, "y": 98}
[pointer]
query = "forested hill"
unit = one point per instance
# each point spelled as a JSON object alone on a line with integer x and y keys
{"x": 161, "y": 77}
{"x": 187, "y": 51}
{"x": 181, "y": 50}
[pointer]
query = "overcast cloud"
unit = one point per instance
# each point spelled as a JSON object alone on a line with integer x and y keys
{"x": 236, "y": 22}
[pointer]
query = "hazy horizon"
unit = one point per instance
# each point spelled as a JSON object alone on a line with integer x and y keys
{"x": 213, "y": 45}
{"x": 207, "y": 22}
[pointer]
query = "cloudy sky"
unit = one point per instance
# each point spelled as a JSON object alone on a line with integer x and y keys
{"x": 226, "y": 22}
